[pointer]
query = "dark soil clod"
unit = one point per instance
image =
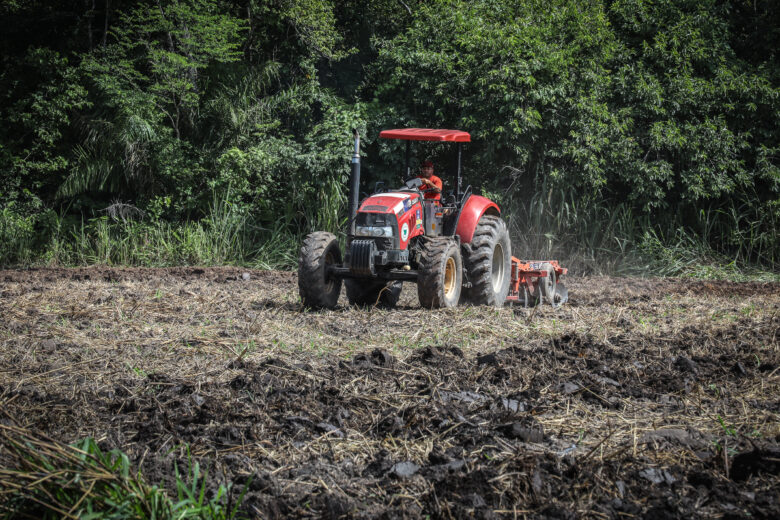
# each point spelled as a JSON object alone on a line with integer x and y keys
{"x": 569, "y": 388}
{"x": 754, "y": 463}
{"x": 657, "y": 476}
{"x": 528, "y": 430}
{"x": 404, "y": 469}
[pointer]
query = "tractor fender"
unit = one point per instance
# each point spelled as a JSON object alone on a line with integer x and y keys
{"x": 472, "y": 211}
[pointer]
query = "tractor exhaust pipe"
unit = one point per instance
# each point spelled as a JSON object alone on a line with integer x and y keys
{"x": 354, "y": 184}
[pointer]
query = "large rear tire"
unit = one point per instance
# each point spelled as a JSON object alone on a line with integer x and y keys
{"x": 488, "y": 262}
{"x": 318, "y": 290}
{"x": 440, "y": 273}
{"x": 372, "y": 292}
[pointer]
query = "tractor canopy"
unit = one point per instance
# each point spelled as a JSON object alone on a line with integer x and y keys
{"x": 429, "y": 134}
{"x": 426, "y": 134}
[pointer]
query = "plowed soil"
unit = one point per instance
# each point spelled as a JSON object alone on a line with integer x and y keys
{"x": 639, "y": 398}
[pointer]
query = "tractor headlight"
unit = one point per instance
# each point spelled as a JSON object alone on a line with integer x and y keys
{"x": 374, "y": 231}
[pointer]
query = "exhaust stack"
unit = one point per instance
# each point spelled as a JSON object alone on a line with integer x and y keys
{"x": 354, "y": 183}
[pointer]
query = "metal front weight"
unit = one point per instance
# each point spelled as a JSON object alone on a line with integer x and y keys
{"x": 361, "y": 257}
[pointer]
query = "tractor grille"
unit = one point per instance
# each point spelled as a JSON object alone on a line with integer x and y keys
{"x": 383, "y": 244}
{"x": 361, "y": 257}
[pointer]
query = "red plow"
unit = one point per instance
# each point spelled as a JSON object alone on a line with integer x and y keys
{"x": 537, "y": 281}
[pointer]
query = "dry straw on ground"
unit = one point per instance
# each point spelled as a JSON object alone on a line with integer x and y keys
{"x": 638, "y": 397}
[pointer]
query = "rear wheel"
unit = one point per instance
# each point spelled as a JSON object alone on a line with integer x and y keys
{"x": 317, "y": 289}
{"x": 440, "y": 273}
{"x": 488, "y": 261}
{"x": 373, "y": 292}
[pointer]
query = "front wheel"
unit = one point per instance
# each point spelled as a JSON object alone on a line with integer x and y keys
{"x": 440, "y": 273}
{"x": 317, "y": 288}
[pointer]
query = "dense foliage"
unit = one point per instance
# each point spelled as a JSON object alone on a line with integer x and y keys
{"x": 163, "y": 112}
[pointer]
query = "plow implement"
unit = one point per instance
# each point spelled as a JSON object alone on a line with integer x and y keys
{"x": 537, "y": 281}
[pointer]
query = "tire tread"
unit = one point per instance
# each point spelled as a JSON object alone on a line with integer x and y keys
{"x": 314, "y": 290}
{"x": 478, "y": 261}
{"x": 430, "y": 283}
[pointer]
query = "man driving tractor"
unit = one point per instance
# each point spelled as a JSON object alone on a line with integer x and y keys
{"x": 431, "y": 184}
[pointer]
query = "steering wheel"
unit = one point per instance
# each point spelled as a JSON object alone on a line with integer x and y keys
{"x": 413, "y": 183}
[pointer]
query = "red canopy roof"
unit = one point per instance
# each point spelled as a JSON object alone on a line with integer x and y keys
{"x": 426, "y": 134}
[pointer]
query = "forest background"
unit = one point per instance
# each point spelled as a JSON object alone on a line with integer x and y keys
{"x": 628, "y": 136}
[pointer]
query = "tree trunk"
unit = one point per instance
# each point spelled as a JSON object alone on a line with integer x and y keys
{"x": 90, "y": 16}
{"x": 105, "y": 22}
{"x": 167, "y": 33}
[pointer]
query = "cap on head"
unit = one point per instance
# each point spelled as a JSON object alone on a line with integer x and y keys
{"x": 427, "y": 164}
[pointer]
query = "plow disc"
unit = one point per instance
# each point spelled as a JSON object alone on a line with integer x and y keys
{"x": 561, "y": 295}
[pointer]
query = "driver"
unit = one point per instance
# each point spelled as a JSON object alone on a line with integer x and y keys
{"x": 431, "y": 184}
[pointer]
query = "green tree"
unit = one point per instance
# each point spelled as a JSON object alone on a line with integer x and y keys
{"x": 148, "y": 82}
{"x": 41, "y": 92}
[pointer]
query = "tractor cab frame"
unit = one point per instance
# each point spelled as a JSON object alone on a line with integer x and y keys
{"x": 440, "y": 217}
{"x": 427, "y": 134}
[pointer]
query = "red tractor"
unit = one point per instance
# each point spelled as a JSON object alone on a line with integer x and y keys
{"x": 456, "y": 249}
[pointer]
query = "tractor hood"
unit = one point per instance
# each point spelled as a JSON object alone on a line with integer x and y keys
{"x": 406, "y": 208}
{"x": 398, "y": 203}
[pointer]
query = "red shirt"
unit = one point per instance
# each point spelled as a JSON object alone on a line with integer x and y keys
{"x": 430, "y": 194}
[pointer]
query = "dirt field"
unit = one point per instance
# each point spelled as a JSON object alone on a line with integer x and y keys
{"x": 648, "y": 398}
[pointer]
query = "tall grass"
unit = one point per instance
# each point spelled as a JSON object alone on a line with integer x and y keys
{"x": 17, "y": 237}
{"x": 602, "y": 237}
{"x": 226, "y": 236}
